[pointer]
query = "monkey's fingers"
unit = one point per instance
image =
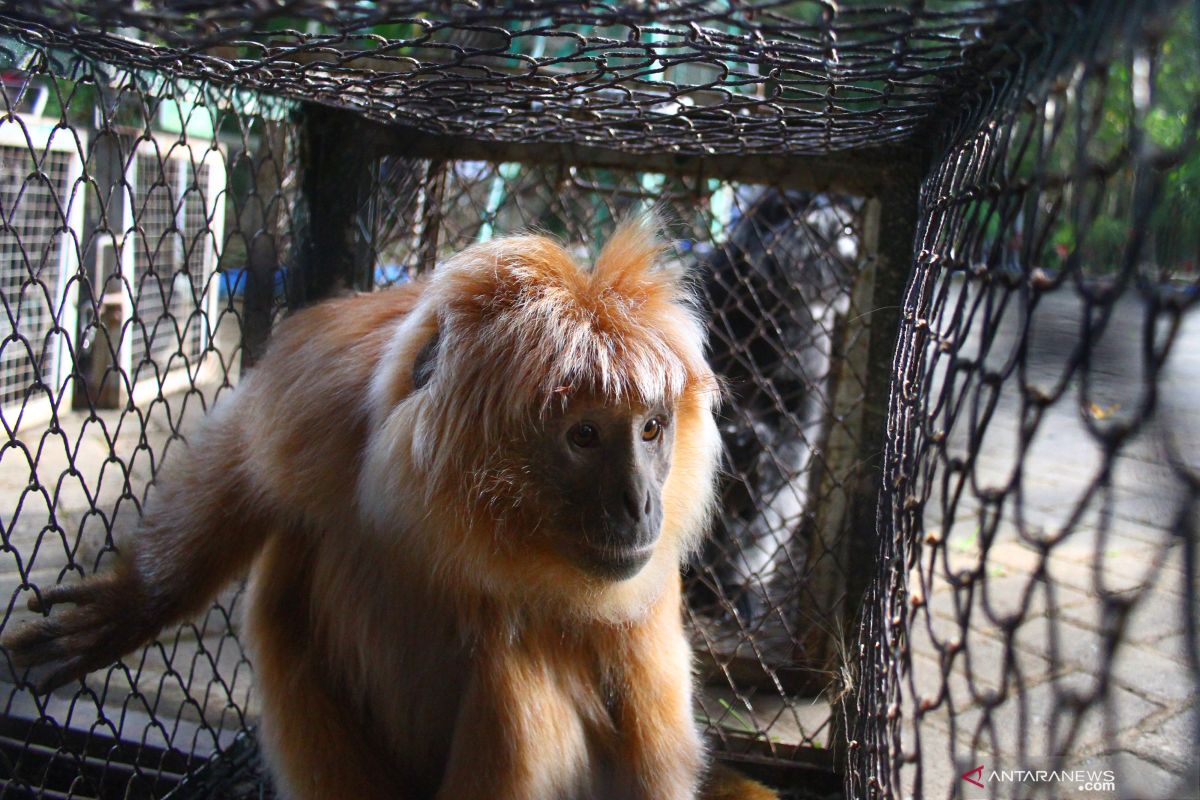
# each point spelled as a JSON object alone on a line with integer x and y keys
{"x": 50, "y": 676}
{"x": 46, "y": 599}
{"x": 44, "y": 643}
{"x": 56, "y": 654}
{"x": 48, "y": 639}
{"x": 26, "y": 640}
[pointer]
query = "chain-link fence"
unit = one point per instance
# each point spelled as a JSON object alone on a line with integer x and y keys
{"x": 171, "y": 186}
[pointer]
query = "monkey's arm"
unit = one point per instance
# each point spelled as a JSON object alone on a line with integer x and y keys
{"x": 656, "y": 716}
{"x": 661, "y": 743}
{"x": 511, "y": 712}
{"x": 282, "y": 449}
{"x": 202, "y": 526}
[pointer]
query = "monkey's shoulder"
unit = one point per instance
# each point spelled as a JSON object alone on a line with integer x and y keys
{"x": 342, "y": 321}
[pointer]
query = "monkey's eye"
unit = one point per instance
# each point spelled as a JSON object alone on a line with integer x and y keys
{"x": 584, "y": 434}
{"x": 652, "y": 429}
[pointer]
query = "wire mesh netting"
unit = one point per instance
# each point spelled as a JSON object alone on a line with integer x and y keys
{"x": 1036, "y": 601}
{"x": 131, "y": 206}
{"x": 1031, "y": 577}
{"x": 682, "y": 77}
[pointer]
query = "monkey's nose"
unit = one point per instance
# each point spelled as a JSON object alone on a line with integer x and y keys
{"x": 637, "y": 506}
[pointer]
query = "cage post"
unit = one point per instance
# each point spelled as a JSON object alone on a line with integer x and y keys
{"x": 846, "y": 474}
{"x": 266, "y": 219}
{"x": 888, "y": 237}
{"x": 98, "y": 323}
{"x": 431, "y": 214}
{"x": 262, "y": 263}
{"x": 334, "y": 247}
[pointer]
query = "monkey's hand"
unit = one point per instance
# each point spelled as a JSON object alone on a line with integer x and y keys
{"x": 105, "y": 617}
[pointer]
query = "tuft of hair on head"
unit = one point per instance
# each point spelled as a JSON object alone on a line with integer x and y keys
{"x": 524, "y": 328}
{"x": 634, "y": 247}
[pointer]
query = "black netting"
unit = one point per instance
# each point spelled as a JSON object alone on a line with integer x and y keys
{"x": 1035, "y": 606}
{"x": 679, "y": 77}
{"x": 174, "y": 176}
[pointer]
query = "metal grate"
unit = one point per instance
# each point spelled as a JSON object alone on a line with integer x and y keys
{"x": 34, "y": 184}
{"x": 173, "y": 256}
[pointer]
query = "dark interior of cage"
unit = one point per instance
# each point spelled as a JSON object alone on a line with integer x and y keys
{"x": 944, "y": 259}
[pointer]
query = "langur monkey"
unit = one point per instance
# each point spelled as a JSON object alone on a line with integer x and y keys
{"x": 465, "y": 501}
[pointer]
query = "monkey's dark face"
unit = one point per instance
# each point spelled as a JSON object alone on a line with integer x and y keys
{"x": 602, "y": 474}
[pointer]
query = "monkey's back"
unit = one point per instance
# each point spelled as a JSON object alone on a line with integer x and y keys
{"x": 337, "y": 628}
{"x": 313, "y": 386}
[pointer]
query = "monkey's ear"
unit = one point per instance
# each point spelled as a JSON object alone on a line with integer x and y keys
{"x": 426, "y": 361}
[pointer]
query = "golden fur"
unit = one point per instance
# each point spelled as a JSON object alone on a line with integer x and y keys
{"x": 413, "y": 636}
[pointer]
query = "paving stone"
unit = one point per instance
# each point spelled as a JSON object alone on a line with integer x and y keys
{"x": 1146, "y": 508}
{"x": 1061, "y": 641}
{"x": 932, "y": 635}
{"x": 1015, "y": 557}
{"x": 1171, "y": 742}
{"x": 1175, "y": 647}
{"x": 999, "y": 595}
{"x": 985, "y": 660}
{"x": 960, "y": 693}
{"x": 940, "y": 757}
{"x": 1139, "y": 778}
{"x": 1155, "y": 615}
{"x": 1151, "y": 674}
{"x": 1151, "y": 669}
{"x": 1124, "y": 540}
{"x": 1156, "y": 567}
{"x": 1034, "y": 726}
{"x": 947, "y": 602}
{"x": 1011, "y": 597}
{"x": 1138, "y": 668}
{"x": 1113, "y": 577}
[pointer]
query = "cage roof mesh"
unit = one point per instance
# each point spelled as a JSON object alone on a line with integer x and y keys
{"x": 688, "y": 77}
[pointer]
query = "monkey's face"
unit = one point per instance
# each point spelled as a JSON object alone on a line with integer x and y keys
{"x": 602, "y": 471}
{"x": 543, "y": 432}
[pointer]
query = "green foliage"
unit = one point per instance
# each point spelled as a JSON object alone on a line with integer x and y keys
{"x": 1137, "y": 168}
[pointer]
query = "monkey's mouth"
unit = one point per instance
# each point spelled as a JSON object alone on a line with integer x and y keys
{"x": 615, "y": 562}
